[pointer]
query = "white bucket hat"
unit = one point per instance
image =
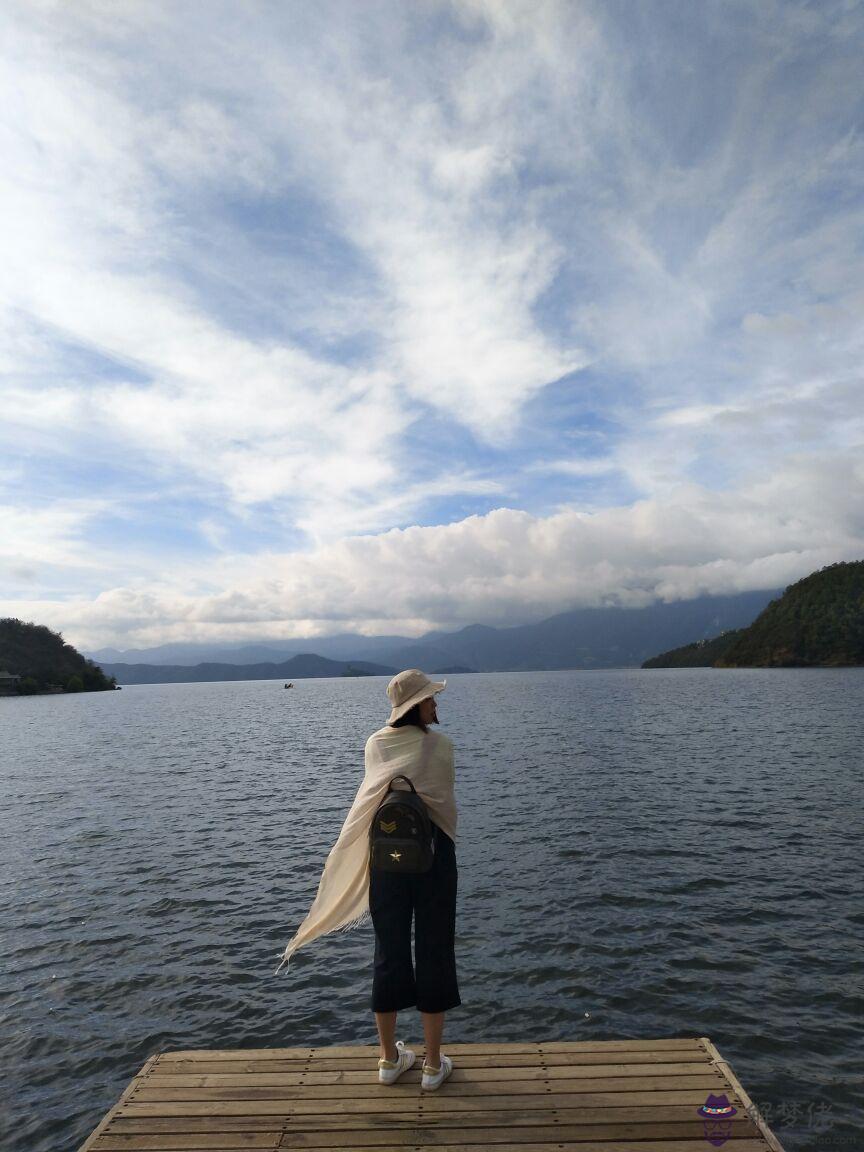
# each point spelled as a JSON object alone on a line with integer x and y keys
{"x": 408, "y": 688}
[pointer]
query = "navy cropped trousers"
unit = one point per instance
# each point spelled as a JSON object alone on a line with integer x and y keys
{"x": 429, "y": 897}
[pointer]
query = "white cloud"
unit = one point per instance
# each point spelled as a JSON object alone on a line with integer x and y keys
{"x": 32, "y": 535}
{"x": 103, "y": 177}
{"x": 45, "y": 547}
{"x": 586, "y": 467}
{"x": 503, "y": 567}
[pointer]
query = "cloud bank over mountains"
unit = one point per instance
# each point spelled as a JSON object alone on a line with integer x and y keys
{"x": 387, "y": 317}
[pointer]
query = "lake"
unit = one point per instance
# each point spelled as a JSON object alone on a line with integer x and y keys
{"x": 641, "y": 854}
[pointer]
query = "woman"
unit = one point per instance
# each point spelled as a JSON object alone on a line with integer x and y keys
{"x": 349, "y": 893}
{"x": 430, "y": 897}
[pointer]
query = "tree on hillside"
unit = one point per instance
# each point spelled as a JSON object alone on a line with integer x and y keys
{"x": 42, "y": 657}
{"x": 817, "y": 621}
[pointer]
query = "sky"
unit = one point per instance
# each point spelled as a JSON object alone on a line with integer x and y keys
{"x": 332, "y": 316}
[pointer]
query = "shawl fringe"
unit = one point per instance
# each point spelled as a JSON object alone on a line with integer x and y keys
{"x": 365, "y": 917}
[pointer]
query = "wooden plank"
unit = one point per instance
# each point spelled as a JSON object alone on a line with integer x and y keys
{"x": 410, "y": 1137}
{"x": 491, "y": 1137}
{"x": 685, "y": 1145}
{"x": 478, "y": 1117}
{"x": 452, "y": 1103}
{"x": 525, "y": 1122}
{"x": 314, "y": 1121}
{"x": 140, "y": 1125}
{"x": 689, "y": 1042}
{"x": 474, "y": 1074}
{"x": 456, "y": 1087}
{"x": 112, "y": 1141}
{"x": 322, "y": 1063}
{"x": 578, "y": 1146}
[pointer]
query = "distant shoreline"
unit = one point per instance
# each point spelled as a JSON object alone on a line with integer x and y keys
{"x": 508, "y": 672}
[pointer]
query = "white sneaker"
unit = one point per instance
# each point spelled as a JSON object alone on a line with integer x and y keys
{"x": 390, "y": 1071}
{"x": 434, "y": 1077}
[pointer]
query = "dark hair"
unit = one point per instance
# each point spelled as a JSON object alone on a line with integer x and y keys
{"x": 412, "y": 716}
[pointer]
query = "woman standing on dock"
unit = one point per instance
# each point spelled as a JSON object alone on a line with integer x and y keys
{"x": 430, "y": 897}
{"x": 350, "y": 893}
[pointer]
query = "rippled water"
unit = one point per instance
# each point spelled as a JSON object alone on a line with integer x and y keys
{"x": 641, "y": 854}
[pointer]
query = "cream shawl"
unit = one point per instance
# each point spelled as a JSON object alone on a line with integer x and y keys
{"x": 342, "y": 901}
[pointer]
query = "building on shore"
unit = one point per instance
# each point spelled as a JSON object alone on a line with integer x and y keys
{"x": 8, "y": 683}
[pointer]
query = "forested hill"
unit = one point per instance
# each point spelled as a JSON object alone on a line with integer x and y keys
{"x": 818, "y": 622}
{"x": 44, "y": 660}
{"x": 699, "y": 654}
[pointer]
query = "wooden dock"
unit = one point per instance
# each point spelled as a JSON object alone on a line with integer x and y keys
{"x": 585, "y": 1096}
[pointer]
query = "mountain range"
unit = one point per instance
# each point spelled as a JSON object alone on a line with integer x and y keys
{"x": 582, "y": 638}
